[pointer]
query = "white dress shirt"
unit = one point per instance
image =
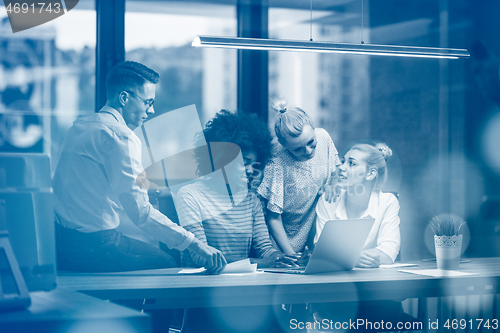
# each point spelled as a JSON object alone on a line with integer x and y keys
{"x": 96, "y": 178}
{"x": 383, "y": 207}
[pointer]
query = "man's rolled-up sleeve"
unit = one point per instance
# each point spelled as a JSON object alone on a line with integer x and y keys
{"x": 123, "y": 167}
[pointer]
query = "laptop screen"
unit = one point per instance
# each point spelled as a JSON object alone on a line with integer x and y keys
{"x": 339, "y": 245}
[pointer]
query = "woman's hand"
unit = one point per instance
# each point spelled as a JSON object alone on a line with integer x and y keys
{"x": 331, "y": 192}
{"x": 303, "y": 260}
{"x": 369, "y": 259}
{"x": 285, "y": 260}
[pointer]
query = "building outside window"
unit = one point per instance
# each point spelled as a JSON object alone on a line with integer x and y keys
{"x": 334, "y": 89}
{"x": 47, "y": 80}
{"x": 159, "y": 35}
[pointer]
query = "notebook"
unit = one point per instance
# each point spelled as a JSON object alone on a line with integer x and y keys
{"x": 337, "y": 248}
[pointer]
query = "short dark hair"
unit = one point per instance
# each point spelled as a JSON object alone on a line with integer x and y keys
{"x": 128, "y": 74}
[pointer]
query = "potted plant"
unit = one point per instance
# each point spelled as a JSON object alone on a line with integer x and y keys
{"x": 447, "y": 240}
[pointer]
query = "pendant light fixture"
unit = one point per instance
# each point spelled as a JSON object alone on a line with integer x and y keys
{"x": 326, "y": 47}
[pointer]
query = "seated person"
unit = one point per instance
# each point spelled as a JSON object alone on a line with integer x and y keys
{"x": 205, "y": 208}
{"x": 360, "y": 177}
{"x": 236, "y": 229}
{"x": 362, "y": 173}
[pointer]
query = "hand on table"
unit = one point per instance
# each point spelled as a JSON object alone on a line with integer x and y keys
{"x": 369, "y": 259}
{"x": 285, "y": 260}
{"x": 295, "y": 259}
{"x": 214, "y": 259}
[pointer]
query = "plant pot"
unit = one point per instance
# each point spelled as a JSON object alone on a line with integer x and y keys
{"x": 448, "y": 249}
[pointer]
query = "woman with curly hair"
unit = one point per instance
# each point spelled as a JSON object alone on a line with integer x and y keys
{"x": 247, "y": 131}
{"x": 220, "y": 211}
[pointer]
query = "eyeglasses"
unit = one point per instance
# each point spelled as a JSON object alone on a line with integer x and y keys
{"x": 149, "y": 103}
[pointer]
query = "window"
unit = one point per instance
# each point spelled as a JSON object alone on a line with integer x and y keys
{"x": 159, "y": 35}
{"x": 47, "y": 76}
{"x": 326, "y": 86}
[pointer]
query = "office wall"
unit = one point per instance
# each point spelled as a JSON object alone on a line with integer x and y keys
{"x": 482, "y": 105}
{"x": 433, "y": 113}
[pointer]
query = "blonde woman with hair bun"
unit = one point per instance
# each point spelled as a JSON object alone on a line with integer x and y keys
{"x": 360, "y": 177}
{"x": 303, "y": 161}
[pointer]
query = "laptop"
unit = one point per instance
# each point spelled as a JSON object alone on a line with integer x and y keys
{"x": 337, "y": 248}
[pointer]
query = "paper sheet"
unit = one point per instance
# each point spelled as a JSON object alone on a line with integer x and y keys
{"x": 192, "y": 270}
{"x": 437, "y": 272}
{"x": 239, "y": 267}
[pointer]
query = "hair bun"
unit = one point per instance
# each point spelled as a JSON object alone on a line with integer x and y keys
{"x": 384, "y": 149}
{"x": 279, "y": 105}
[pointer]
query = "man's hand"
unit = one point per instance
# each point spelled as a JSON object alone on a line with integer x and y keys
{"x": 214, "y": 259}
{"x": 369, "y": 258}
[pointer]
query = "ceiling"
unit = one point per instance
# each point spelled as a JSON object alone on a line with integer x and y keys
{"x": 388, "y": 20}
{"x": 380, "y": 12}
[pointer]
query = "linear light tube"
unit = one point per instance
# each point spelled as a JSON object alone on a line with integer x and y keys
{"x": 325, "y": 47}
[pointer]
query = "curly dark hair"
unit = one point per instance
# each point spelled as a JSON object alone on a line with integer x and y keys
{"x": 246, "y": 130}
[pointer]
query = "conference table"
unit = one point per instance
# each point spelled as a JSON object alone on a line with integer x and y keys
{"x": 166, "y": 288}
{"x": 62, "y": 310}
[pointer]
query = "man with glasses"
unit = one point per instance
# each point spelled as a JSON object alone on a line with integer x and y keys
{"x": 96, "y": 180}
